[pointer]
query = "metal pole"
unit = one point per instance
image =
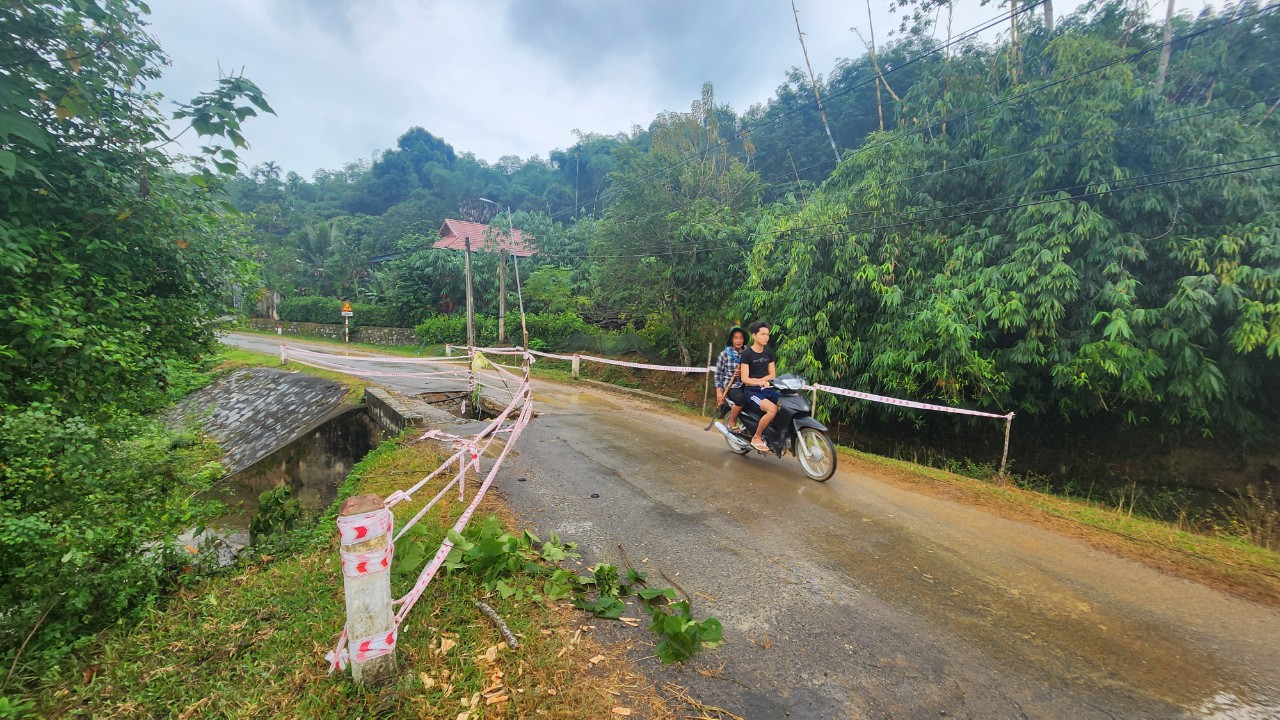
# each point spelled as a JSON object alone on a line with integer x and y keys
{"x": 346, "y": 329}
{"x": 706, "y": 385}
{"x": 1004, "y": 457}
{"x": 471, "y": 321}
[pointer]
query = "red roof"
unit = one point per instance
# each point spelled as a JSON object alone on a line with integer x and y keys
{"x": 454, "y": 233}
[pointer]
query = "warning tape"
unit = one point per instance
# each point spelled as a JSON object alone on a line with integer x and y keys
{"x": 904, "y": 403}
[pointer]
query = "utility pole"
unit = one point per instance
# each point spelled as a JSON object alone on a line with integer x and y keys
{"x": 471, "y": 320}
{"x": 502, "y": 295}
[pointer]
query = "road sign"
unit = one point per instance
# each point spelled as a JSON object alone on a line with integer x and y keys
{"x": 346, "y": 310}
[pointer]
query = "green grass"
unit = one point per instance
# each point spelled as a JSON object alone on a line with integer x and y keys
{"x": 251, "y": 642}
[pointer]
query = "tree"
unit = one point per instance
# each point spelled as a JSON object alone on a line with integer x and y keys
{"x": 113, "y": 262}
{"x": 671, "y": 237}
{"x": 116, "y": 261}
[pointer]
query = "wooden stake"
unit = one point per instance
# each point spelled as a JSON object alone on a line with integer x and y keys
{"x": 706, "y": 386}
{"x": 1004, "y": 457}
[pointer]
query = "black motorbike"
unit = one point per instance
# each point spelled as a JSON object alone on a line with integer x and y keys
{"x": 793, "y": 430}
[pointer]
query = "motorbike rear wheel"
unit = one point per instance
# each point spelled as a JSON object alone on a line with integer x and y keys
{"x": 736, "y": 449}
{"x": 816, "y": 454}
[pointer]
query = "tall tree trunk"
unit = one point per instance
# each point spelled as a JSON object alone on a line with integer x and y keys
{"x": 946, "y": 83}
{"x": 821, "y": 112}
{"x": 1048, "y": 16}
{"x": 1167, "y": 50}
{"x": 875, "y": 65}
{"x": 1013, "y": 41}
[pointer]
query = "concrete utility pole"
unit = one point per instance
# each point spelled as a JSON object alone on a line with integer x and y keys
{"x": 502, "y": 277}
{"x": 502, "y": 295}
{"x": 471, "y": 319}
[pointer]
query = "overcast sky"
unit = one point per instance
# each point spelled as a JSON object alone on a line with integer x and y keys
{"x": 496, "y": 77}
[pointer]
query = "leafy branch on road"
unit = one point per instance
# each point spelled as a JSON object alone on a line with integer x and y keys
{"x": 521, "y": 566}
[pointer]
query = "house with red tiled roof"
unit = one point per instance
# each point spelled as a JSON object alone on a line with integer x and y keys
{"x": 454, "y": 233}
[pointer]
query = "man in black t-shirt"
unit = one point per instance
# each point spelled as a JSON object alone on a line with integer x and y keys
{"x": 758, "y": 368}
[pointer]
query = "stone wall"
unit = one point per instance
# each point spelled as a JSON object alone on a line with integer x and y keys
{"x": 364, "y": 334}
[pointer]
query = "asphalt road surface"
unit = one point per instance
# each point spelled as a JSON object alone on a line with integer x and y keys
{"x": 858, "y": 598}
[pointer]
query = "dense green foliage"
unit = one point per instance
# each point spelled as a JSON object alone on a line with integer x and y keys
{"x": 546, "y": 329}
{"x": 115, "y": 264}
{"x": 1056, "y": 226}
{"x": 1035, "y": 227}
{"x": 1049, "y": 255}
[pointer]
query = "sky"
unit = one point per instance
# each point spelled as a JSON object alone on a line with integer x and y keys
{"x": 497, "y": 77}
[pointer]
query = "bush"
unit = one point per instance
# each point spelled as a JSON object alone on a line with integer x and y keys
{"x": 89, "y": 509}
{"x": 328, "y": 311}
{"x": 545, "y": 329}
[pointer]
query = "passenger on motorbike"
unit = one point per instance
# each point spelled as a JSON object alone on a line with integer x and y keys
{"x": 728, "y": 383}
{"x": 757, "y": 370}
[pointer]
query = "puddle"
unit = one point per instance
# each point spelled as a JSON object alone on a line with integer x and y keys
{"x": 1226, "y": 705}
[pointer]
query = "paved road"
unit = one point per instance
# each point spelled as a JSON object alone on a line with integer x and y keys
{"x": 858, "y": 598}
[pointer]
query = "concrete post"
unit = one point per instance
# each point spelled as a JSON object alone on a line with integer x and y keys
{"x": 471, "y": 318}
{"x": 502, "y": 296}
{"x": 368, "y": 597}
{"x": 577, "y": 363}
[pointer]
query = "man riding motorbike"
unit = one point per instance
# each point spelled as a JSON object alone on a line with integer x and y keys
{"x": 757, "y": 369}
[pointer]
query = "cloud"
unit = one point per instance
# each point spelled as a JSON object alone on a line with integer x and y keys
{"x": 491, "y": 77}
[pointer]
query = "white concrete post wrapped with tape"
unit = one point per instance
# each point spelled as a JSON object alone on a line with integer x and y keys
{"x": 364, "y": 525}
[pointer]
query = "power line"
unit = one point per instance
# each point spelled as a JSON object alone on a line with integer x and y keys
{"x": 997, "y": 103}
{"x": 963, "y": 37}
{"x": 1015, "y": 206}
{"x": 1068, "y": 143}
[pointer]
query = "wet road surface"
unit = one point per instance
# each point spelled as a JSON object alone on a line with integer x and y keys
{"x": 858, "y": 598}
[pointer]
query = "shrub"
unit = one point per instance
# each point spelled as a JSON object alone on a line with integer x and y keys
{"x": 328, "y": 310}
{"x": 89, "y": 509}
{"x": 545, "y": 329}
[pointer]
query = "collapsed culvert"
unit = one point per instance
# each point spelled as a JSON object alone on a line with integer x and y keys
{"x": 461, "y": 404}
{"x": 277, "y": 429}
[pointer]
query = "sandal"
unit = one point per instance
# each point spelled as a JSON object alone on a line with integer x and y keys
{"x": 760, "y": 445}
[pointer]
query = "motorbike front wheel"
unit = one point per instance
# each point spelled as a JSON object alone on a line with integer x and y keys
{"x": 816, "y": 454}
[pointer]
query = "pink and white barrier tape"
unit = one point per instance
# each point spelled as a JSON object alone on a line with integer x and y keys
{"x": 904, "y": 403}
{"x": 363, "y": 650}
{"x": 467, "y": 453}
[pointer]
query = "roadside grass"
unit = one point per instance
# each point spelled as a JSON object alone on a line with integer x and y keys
{"x": 235, "y": 358}
{"x": 1228, "y": 562}
{"x": 252, "y": 643}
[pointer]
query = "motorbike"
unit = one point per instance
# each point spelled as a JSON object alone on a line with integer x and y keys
{"x": 793, "y": 430}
